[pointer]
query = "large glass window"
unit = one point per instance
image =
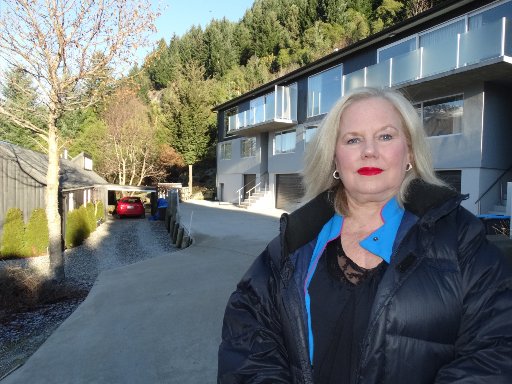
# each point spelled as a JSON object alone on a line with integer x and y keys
{"x": 309, "y": 133}
{"x": 323, "y": 91}
{"x": 442, "y": 116}
{"x": 284, "y": 142}
{"x": 225, "y": 151}
{"x": 248, "y": 147}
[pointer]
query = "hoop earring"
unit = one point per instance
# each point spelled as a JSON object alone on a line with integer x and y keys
{"x": 336, "y": 175}
{"x": 408, "y": 167}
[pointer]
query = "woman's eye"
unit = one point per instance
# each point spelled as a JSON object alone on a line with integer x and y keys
{"x": 353, "y": 140}
{"x": 386, "y": 137}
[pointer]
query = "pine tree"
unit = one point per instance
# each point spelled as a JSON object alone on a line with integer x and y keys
{"x": 186, "y": 105}
{"x": 20, "y": 95}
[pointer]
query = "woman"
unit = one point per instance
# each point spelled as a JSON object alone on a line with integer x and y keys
{"x": 382, "y": 277}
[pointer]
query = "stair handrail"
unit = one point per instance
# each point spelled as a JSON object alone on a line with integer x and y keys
{"x": 253, "y": 188}
{"x": 239, "y": 191}
{"x": 493, "y": 184}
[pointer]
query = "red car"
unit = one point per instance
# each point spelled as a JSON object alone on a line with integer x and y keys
{"x": 130, "y": 206}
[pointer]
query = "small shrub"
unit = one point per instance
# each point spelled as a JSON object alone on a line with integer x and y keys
{"x": 91, "y": 216}
{"x": 100, "y": 211}
{"x": 77, "y": 227}
{"x": 24, "y": 288}
{"x": 12, "y": 244}
{"x": 36, "y": 233}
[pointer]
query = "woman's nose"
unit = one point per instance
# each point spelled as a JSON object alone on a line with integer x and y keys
{"x": 369, "y": 149}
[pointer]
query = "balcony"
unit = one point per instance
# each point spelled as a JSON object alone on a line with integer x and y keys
{"x": 274, "y": 111}
{"x": 470, "y": 51}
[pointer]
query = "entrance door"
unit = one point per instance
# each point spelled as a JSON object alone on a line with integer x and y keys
{"x": 249, "y": 183}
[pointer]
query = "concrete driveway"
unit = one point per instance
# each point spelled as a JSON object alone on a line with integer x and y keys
{"x": 159, "y": 320}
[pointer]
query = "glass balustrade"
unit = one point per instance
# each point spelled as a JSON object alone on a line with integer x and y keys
{"x": 270, "y": 107}
{"x": 405, "y": 67}
{"x": 377, "y": 75}
{"x": 281, "y": 104}
{"x": 481, "y": 44}
{"x": 232, "y": 124}
{"x": 440, "y": 57}
{"x": 286, "y": 102}
{"x": 353, "y": 80}
{"x": 474, "y": 46}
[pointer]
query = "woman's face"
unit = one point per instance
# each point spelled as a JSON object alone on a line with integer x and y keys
{"x": 371, "y": 151}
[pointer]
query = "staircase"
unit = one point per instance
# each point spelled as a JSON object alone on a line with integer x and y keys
{"x": 258, "y": 200}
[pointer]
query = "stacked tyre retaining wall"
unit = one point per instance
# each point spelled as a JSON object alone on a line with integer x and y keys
{"x": 179, "y": 234}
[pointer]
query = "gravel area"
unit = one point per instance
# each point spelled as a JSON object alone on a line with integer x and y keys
{"x": 115, "y": 243}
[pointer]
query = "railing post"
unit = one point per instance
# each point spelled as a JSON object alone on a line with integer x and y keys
{"x": 390, "y": 72}
{"x": 509, "y": 204}
{"x": 458, "y": 51}
{"x": 503, "y": 30}
{"x": 421, "y": 63}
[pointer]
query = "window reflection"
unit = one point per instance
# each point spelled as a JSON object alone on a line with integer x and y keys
{"x": 443, "y": 116}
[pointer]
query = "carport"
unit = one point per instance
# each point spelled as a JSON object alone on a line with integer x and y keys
{"x": 160, "y": 190}
{"x": 113, "y": 188}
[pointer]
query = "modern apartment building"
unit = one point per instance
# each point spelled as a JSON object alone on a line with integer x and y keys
{"x": 453, "y": 62}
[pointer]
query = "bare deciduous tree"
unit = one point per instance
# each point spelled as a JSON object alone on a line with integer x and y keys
{"x": 131, "y": 139}
{"x": 415, "y": 7}
{"x": 62, "y": 45}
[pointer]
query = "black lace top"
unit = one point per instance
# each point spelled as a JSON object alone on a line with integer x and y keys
{"x": 341, "y": 300}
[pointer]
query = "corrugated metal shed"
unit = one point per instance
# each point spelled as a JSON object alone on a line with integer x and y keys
{"x": 23, "y": 178}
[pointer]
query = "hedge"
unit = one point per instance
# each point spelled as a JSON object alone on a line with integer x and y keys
{"x": 77, "y": 227}
{"x": 36, "y": 233}
{"x": 12, "y": 244}
{"x": 91, "y": 216}
{"x": 100, "y": 211}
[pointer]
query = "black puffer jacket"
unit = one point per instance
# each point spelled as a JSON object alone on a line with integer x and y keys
{"x": 442, "y": 313}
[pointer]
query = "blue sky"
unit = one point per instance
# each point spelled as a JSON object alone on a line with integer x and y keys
{"x": 179, "y": 15}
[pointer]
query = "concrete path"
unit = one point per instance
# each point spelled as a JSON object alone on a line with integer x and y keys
{"x": 157, "y": 321}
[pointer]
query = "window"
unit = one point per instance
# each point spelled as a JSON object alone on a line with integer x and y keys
{"x": 225, "y": 151}
{"x": 248, "y": 147}
{"x": 309, "y": 133}
{"x": 442, "y": 116}
{"x": 284, "y": 142}
{"x": 323, "y": 91}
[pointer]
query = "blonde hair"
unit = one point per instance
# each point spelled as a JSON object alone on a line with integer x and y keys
{"x": 319, "y": 159}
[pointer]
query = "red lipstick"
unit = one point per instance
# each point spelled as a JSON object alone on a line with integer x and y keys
{"x": 369, "y": 171}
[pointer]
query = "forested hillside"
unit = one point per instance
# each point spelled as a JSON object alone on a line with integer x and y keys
{"x": 159, "y": 119}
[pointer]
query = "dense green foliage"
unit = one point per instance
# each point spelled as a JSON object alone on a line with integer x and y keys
{"x": 100, "y": 211}
{"x": 91, "y": 216}
{"x": 18, "y": 92}
{"x": 12, "y": 244}
{"x": 77, "y": 227}
{"x": 36, "y": 233}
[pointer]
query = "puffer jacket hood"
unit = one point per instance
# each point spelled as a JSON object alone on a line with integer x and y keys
{"x": 431, "y": 320}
